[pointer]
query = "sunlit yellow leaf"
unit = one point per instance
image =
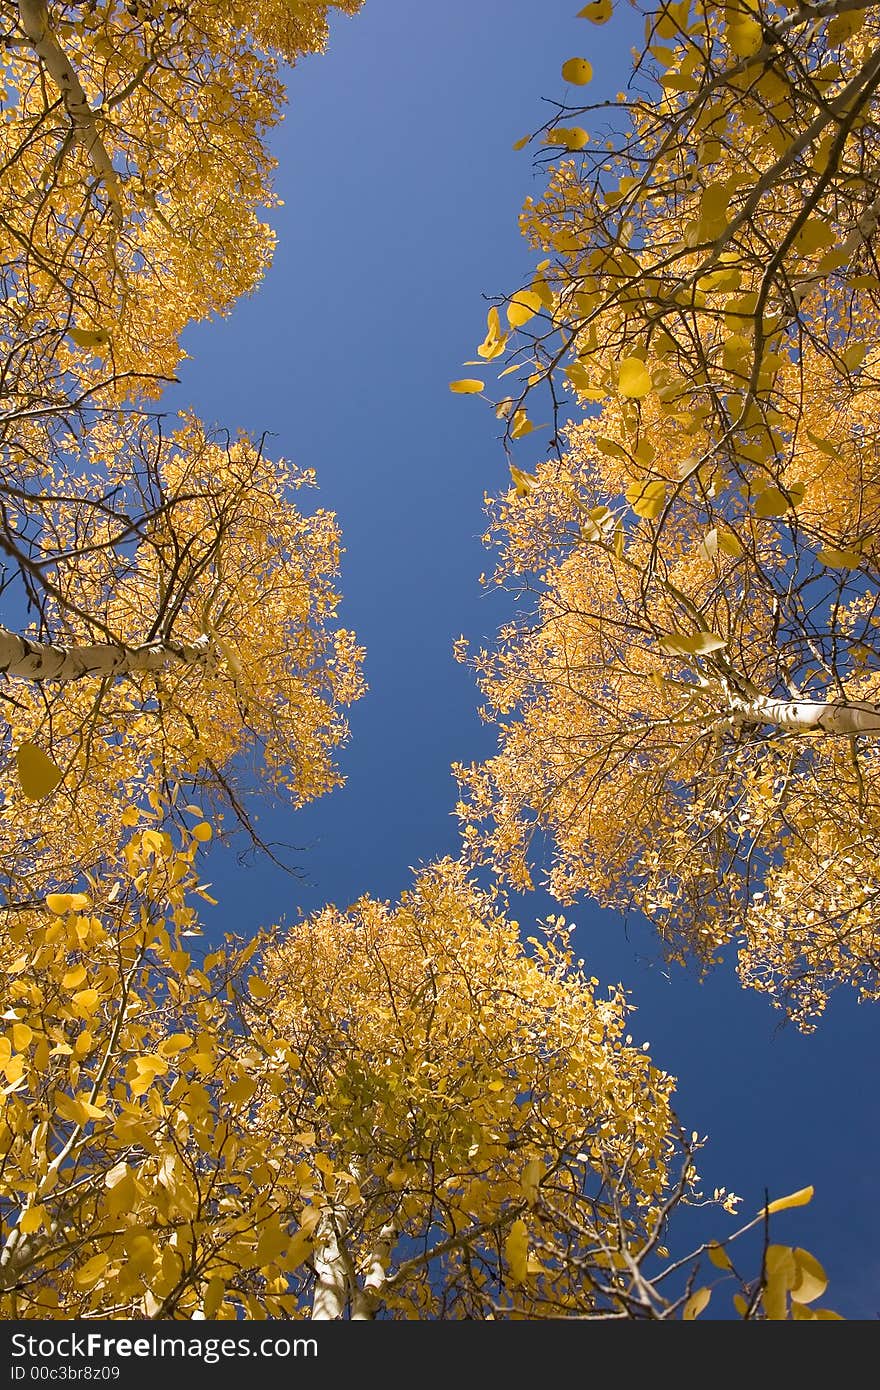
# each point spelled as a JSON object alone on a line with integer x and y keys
{"x": 89, "y": 337}
{"x": 60, "y": 903}
{"x": 467, "y": 386}
{"x": 32, "y": 1219}
{"x": 811, "y": 1281}
{"x": 522, "y": 481}
{"x": 647, "y": 499}
{"x": 745, "y": 37}
{"x": 577, "y": 71}
{"x": 692, "y": 644}
{"x": 840, "y": 559}
{"x": 794, "y": 1199}
{"x": 814, "y": 235}
{"x": 524, "y": 305}
{"x": 202, "y": 832}
{"x": 84, "y": 1002}
{"x": 696, "y": 1303}
{"x": 89, "y": 1273}
{"x": 521, "y": 426}
{"x": 516, "y": 1251}
{"x": 599, "y": 12}
{"x": 37, "y": 774}
{"x": 634, "y": 379}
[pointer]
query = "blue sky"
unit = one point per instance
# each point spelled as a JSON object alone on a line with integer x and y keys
{"x": 401, "y": 196}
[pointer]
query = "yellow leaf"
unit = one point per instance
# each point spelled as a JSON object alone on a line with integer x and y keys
{"x": 273, "y": 1239}
{"x": 719, "y": 1256}
{"x": 84, "y": 1002}
{"x": 240, "y": 1090}
{"x": 521, "y": 144}
{"x": 467, "y": 386}
{"x": 814, "y": 235}
{"x": 571, "y": 137}
{"x": 522, "y": 481}
{"x": 811, "y": 1281}
{"x": 771, "y": 502}
{"x": 213, "y": 1296}
{"x": 647, "y": 499}
{"x": 696, "y": 1303}
{"x": 89, "y": 1273}
{"x": 599, "y": 12}
{"x": 523, "y": 307}
{"x": 516, "y": 1251}
{"x": 794, "y": 1199}
{"x": 740, "y": 1304}
{"x": 745, "y": 37}
{"x": 298, "y": 1249}
{"x": 840, "y": 559}
{"x": 729, "y": 543}
{"x": 89, "y": 337}
{"x": 130, "y": 816}
{"x": 37, "y": 774}
{"x": 634, "y": 379}
{"x": 60, "y": 903}
{"x": 202, "y": 832}
{"x": 582, "y": 382}
{"x": 692, "y": 644}
{"x": 854, "y": 355}
{"x": 73, "y": 977}
{"x": 258, "y": 988}
{"x": 174, "y": 1043}
{"x": 530, "y": 1180}
{"x": 521, "y": 426}
{"x": 32, "y": 1220}
{"x": 577, "y": 71}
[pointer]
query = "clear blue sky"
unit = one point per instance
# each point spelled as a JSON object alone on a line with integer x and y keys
{"x": 401, "y": 199}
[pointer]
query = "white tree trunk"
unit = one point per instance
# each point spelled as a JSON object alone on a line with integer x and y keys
{"x": 810, "y": 716}
{"x": 331, "y": 1284}
{"x": 44, "y": 661}
{"x": 34, "y": 17}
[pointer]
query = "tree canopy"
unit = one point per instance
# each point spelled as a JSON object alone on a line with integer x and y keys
{"x": 407, "y": 1111}
{"x": 692, "y": 712}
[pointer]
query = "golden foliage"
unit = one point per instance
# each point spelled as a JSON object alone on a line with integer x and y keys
{"x": 694, "y": 713}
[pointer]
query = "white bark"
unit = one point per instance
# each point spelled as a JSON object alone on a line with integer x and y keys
{"x": 367, "y": 1299}
{"x": 810, "y": 716}
{"x": 331, "y": 1286}
{"x": 34, "y": 17}
{"x": 44, "y": 661}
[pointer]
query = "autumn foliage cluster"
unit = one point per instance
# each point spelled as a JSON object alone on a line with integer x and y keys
{"x": 408, "y": 1111}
